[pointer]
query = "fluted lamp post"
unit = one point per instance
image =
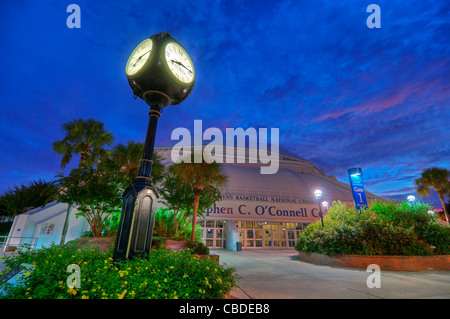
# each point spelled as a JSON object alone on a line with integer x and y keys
{"x": 160, "y": 72}
{"x": 318, "y": 194}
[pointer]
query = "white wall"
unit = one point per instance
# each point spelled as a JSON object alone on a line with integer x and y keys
{"x": 30, "y": 223}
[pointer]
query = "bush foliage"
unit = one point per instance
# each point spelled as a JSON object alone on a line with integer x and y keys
{"x": 162, "y": 274}
{"x": 386, "y": 228}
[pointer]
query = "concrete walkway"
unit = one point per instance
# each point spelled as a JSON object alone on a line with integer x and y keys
{"x": 279, "y": 274}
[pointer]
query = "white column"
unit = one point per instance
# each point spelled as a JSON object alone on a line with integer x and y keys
{"x": 232, "y": 234}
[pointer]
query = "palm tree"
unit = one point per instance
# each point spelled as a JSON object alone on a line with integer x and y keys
{"x": 126, "y": 158}
{"x": 21, "y": 199}
{"x": 84, "y": 137}
{"x": 437, "y": 178}
{"x": 202, "y": 177}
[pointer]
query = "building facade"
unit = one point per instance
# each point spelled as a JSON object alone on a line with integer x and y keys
{"x": 267, "y": 210}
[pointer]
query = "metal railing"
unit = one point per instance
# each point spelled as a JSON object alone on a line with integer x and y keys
{"x": 5, "y": 242}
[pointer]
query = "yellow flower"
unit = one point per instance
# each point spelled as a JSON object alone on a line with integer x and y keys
{"x": 27, "y": 273}
{"x": 122, "y": 294}
{"x": 84, "y": 297}
{"x": 72, "y": 291}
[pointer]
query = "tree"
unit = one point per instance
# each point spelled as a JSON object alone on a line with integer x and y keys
{"x": 84, "y": 137}
{"x": 202, "y": 178}
{"x": 96, "y": 192}
{"x": 18, "y": 200}
{"x": 126, "y": 159}
{"x": 176, "y": 195}
{"x": 437, "y": 178}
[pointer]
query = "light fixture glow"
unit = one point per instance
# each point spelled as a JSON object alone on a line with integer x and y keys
{"x": 318, "y": 193}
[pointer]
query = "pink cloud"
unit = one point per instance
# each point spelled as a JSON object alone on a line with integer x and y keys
{"x": 413, "y": 89}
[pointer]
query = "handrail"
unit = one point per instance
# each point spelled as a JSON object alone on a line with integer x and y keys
{"x": 7, "y": 242}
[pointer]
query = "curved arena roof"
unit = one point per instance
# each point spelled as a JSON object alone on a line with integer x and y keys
{"x": 295, "y": 178}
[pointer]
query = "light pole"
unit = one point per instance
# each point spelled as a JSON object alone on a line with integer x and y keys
{"x": 325, "y": 205}
{"x": 318, "y": 194}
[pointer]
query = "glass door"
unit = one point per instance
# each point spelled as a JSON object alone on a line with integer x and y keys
{"x": 268, "y": 239}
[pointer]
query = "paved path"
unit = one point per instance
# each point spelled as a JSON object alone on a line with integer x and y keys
{"x": 279, "y": 274}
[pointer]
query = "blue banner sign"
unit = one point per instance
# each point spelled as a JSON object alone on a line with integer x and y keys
{"x": 356, "y": 183}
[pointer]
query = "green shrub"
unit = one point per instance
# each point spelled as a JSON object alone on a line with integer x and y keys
{"x": 198, "y": 248}
{"x": 387, "y": 228}
{"x": 168, "y": 226}
{"x": 162, "y": 274}
{"x": 438, "y": 237}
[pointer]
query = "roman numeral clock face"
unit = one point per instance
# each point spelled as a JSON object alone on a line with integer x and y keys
{"x": 139, "y": 57}
{"x": 179, "y": 63}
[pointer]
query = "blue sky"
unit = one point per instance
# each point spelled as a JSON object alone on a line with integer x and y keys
{"x": 342, "y": 95}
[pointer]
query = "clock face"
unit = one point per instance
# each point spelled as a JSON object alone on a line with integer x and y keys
{"x": 179, "y": 63}
{"x": 139, "y": 57}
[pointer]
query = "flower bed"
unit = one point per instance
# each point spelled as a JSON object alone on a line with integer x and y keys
{"x": 162, "y": 274}
{"x": 391, "y": 235}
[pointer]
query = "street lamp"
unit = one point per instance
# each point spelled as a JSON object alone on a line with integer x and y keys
{"x": 160, "y": 72}
{"x": 318, "y": 194}
{"x": 411, "y": 199}
{"x": 325, "y": 205}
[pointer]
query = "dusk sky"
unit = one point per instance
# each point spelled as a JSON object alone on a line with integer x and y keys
{"x": 343, "y": 95}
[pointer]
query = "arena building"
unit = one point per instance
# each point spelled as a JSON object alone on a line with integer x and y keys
{"x": 256, "y": 210}
{"x": 267, "y": 210}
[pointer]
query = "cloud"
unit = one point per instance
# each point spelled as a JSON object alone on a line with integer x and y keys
{"x": 342, "y": 95}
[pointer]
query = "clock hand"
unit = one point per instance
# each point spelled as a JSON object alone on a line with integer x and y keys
{"x": 141, "y": 57}
{"x": 173, "y": 61}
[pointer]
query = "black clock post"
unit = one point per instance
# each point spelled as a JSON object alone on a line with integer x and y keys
{"x": 159, "y": 77}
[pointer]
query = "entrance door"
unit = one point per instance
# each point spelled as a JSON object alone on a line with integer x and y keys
{"x": 268, "y": 238}
{"x": 268, "y": 234}
{"x": 274, "y": 238}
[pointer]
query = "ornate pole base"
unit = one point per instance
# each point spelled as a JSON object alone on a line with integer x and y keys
{"x": 134, "y": 235}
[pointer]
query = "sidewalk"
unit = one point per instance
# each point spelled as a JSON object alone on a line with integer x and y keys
{"x": 279, "y": 274}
